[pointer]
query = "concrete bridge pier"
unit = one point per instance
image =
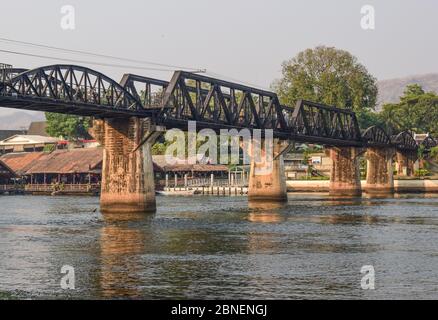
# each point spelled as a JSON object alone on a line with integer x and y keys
{"x": 405, "y": 163}
{"x": 127, "y": 172}
{"x": 267, "y": 181}
{"x": 345, "y": 174}
{"x": 380, "y": 172}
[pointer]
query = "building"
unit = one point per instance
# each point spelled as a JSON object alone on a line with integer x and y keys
{"x": 6, "y": 174}
{"x": 181, "y": 168}
{"x": 20, "y": 162}
{"x": 297, "y": 166}
{"x": 77, "y": 166}
{"x": 81, "y": 143}
{"x": 4, "y": 134}
{"x": 38, "y": 128}
{"x": 26, "y": 143}
{"x": 67, "y": 166}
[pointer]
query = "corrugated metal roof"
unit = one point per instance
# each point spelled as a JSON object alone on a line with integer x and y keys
{"x": 68, "y": 161}
{"x": 5, "y": 168}
{"x": 20, "y": 162}
{"x": 60, "y": 161}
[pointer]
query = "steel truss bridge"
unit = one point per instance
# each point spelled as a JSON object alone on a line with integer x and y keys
{"x": 212, "y": 103}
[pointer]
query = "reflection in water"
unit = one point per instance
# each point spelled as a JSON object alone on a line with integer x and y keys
{"x": 123, "y": 236}
{"x": 344, "y": 219}
{"x": 266, "y": 212}
{"x": 221, "y": 247}
{"x": 377, "y": 196}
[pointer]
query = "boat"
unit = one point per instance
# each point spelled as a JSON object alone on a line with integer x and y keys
{"x": 177, "y": 193}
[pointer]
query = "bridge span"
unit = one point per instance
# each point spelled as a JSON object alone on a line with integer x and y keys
{"x": 128, "y": 117}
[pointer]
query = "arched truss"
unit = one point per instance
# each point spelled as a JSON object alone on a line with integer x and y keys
{"x": 429, "y": 142}
{"x": 404, "y": 141}
{"x": 376, "y": 136}
{"x": 69, "y": 89}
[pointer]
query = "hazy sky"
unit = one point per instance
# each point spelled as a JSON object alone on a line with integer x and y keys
{"x": 241, "y": 39}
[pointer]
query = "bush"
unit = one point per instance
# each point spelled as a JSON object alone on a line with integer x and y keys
{"x": 49, "y": 148}
{"x": 421, "y": 173}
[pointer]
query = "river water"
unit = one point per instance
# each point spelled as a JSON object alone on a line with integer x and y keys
{"x": 220, "y": 247}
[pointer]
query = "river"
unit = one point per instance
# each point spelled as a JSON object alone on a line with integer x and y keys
{"x": 220, "y": 247}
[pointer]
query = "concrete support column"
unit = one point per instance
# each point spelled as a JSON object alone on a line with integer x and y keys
{"x": 380, "y": 176}
{"x": 345, "y": 174}
{"x": 267, "y": 179}
{"x": 127, "y": 174}
{"x": 405, "y": 164}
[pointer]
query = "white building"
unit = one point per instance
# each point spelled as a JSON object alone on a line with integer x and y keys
{"x": 26, "y": 143}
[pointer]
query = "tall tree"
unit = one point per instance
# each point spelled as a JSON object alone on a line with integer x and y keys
{"x": 69, "y": 127}
{"x": 417, "y": 111}
{"x": 330, "y": 76}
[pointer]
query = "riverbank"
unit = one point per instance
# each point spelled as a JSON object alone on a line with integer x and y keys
{"x": 400, "y": 186}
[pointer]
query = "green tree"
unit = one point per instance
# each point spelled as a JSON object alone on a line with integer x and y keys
{"x": 417, "y": 111}
{"x": 69, "y": 127}
{"x": 330, "y": 76}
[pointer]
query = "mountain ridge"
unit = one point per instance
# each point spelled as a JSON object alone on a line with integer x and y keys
{"x": 390, "y": 90}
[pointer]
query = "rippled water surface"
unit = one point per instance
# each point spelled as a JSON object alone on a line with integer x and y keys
{"x": 220, "y": 247}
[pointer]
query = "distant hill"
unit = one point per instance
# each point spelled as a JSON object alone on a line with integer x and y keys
{"x": 18, "y": 120}
{"x": 391, "y": 90}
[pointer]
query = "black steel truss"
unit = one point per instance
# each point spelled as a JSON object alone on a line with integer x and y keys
{"x": 218, "y": 104}
{"x": 69, "y": 89}
{"x": 429, "y": 143}
{"x": 147, "y": 97}
{"x": 212, "y": 103}
{"x": 404, "y": 141}
{"x": 377, "y": 137}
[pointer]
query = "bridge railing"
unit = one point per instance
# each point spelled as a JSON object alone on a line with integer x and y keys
{"x": 11, "y": 187}
{"x": 68, "y": 188}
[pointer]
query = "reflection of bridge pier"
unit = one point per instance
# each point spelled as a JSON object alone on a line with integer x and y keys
{"x": 123, "y": 238}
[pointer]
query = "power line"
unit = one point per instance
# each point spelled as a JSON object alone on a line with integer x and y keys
{"x": 174, "y": 67}
{"x": 85, "y": 61}
{"x": 218, "y": 75}
{"x": 96, "y": 54}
